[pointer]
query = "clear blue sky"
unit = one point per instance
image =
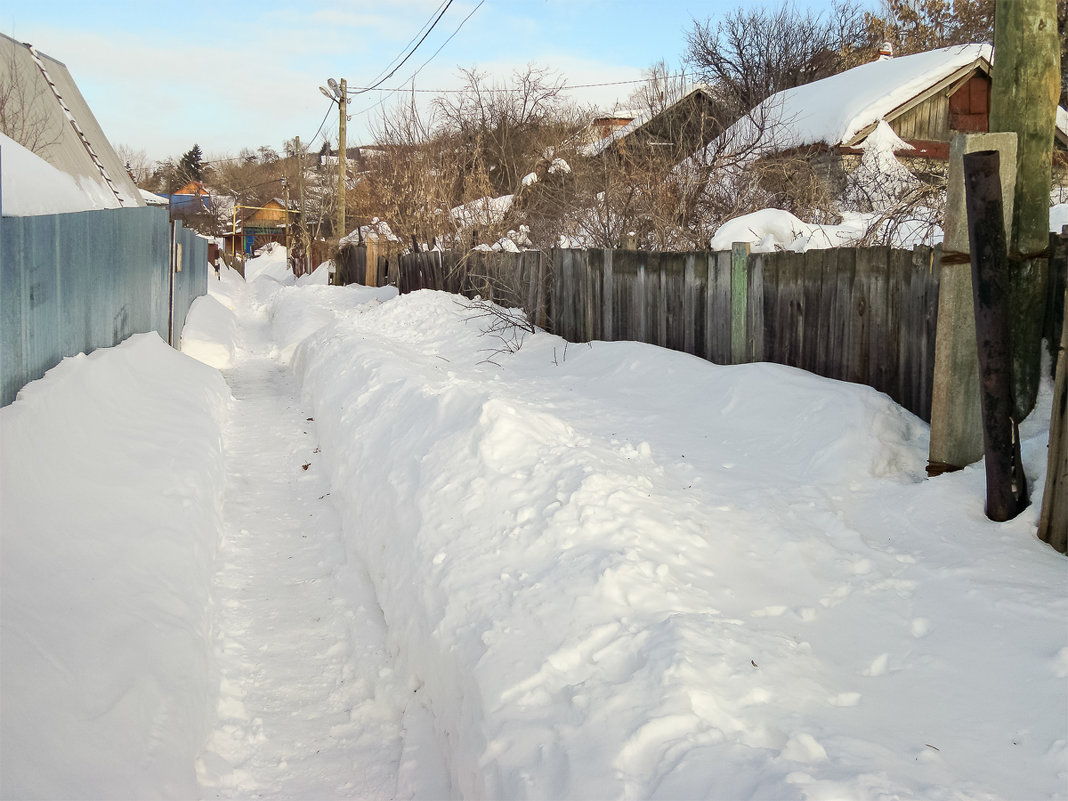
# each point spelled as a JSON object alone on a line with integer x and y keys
{"x": 228, "y": 74}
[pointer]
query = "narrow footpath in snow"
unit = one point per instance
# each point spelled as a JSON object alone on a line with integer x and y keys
{"x": 305, "y": 709}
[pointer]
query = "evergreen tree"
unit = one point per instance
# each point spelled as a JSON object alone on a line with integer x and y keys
{"x": 191, "y": 165}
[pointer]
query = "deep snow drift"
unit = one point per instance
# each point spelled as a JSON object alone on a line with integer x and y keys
{"x": 604, "y": 571}
{"x": 110, "y": 479}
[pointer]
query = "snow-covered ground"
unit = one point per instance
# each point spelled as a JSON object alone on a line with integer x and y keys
{"x": 394, "y": 556}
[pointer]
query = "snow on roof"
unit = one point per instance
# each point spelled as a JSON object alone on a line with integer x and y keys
{"x": 152, "y": 199}
{"x": 69, "y": 125}
{"x": 30, "y": 186}
{"x": 839, "y": 109}
{"x": 484, "y": 211}
{"x": 640, "y": 118}
{"x": 378, "y": 229}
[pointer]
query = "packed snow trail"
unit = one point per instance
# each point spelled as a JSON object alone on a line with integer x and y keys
{"x": 304, "y": 708}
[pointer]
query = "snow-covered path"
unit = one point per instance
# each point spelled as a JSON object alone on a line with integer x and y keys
{"x": 299, "y": 635}
{"x": 605, "y": 572}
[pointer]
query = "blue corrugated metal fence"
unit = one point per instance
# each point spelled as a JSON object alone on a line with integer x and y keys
{"x": 70, "y": 283}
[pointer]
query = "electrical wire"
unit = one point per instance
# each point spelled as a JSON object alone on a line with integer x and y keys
{"x": 391, "y": 92}
{"x": 410, "y": 41}
{"x": 321, "y": 124}
{"x": 565, "y": 89}
{"x": 410, "y": 53}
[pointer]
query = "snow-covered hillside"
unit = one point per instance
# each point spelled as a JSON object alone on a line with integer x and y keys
{"x": 596, "y": 571}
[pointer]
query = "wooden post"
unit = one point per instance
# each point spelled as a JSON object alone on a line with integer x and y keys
{"x": 607, "y": 298}
{"x": 289, "y": 246}
{"x": 1023, "y": 99}
{"x": 956, "y": 417}
{"x": 1053, "y": 522}
{"x": 302, "y": 226}
{"x": 1006, "y": 484}
{"x": 342, "y": 104}
{"x": 739, "y": 300}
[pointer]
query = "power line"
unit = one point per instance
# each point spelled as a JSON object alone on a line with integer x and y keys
{"x": 410, "y": 41}
{"x": 391, "y": 92}
{"x": 410, "y": 53}
{"x": 321, "y": 124}
{"x": 505, "y": 89}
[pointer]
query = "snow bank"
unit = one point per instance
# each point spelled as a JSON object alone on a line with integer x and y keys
{"x": 320, "y": 276}
{"x": 271, "y": 261}
{"x": 774, "y": 229}
{"x": 485, "y": 211}
{"x": 617, "y": 571}
{"x": 111, "y": 480}
{"x": 31, "y": 186}
{"x": 211, "y": 331}
{"x": 378, "y": 229}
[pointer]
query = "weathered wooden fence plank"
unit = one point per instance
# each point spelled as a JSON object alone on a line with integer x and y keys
{"x": 862, "y": 315}
{"x": 879, "y": 372}
{"x": 608, "y": 331}
{"x": 719, "y": 307}
{"x": 855, "y": 354}
{"x": 794, "y": 308}
{"x": 754, "y": 346}
{"x": 692, "y": 287}
{"x": 593, "y": 265}
{"x": 841, "y": 341}
{"x": 825, "y": 328}
{"x": 771, "y": 302}
{"x": 642, "y": 299}
{"x": 741, "y": 293}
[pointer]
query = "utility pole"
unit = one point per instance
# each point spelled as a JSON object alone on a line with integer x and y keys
{"x": 342, "y": 103}
{"x": 339, "y": 95}
{"x": 1023, "y": 100}
{"x": 302, "y": 228}
{"x": 285, "y": 198}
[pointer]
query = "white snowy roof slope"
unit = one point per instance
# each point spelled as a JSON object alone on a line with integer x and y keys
{"x": 641, "y": 118}
{"x": 836, "y": 109}
{"x": 30, "y": 186}
{"x": 68, "y": 124}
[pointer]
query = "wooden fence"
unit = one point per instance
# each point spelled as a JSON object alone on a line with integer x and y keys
{"x": 513, "y": 280}
{"x": 866, "y": 315}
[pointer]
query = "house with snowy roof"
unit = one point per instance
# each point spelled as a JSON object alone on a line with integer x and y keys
{"x": 49, "y": 116}
{"x": 678, "y": 128}
{"x": 924, "y": 99}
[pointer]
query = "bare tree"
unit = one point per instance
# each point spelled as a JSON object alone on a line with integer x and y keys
{"x": 662, "y": 86}
{"x": 136, "y": 162}
{"x": 913, "y": 26}
{"x": 506, "y": 127}
{"x": 751, "y": 54}
{"x": 23, "y": 117}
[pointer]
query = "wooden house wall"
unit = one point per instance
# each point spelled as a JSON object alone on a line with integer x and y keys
{"x": 940, "y": 116}
{"x": 927, "y": 122}
{"x": 268, "y": 215}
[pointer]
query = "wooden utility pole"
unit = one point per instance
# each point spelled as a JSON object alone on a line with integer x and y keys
{"x": 285, "y": 199}
{"x": 302, "y": 228}
{"x": 1053, "y": 522}
{"x": 1023, "y": 99}
{"x": 342, "y": 103}
{"x": 1006, "y": 484}
{"x": 956, "y": 411}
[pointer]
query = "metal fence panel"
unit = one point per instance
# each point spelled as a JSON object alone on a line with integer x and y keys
{"x": 190, "y": 277}
{"x": 70, "y": 283}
